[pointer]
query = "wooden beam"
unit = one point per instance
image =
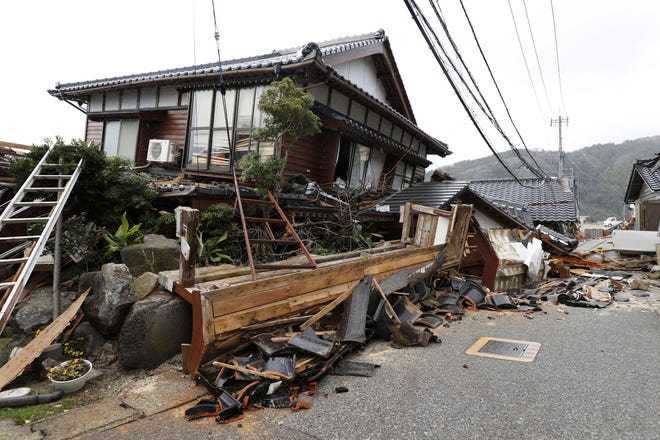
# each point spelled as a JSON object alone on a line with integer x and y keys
{"x": 330, "y": 307}
{"x": 16, "y": 365}
{"x": 247, "y": 371}
{"x": 390, "y": 311}
{"x": 189, "y": 221}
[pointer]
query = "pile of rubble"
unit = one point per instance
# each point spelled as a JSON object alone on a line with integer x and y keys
{"x": 280, "y": 363}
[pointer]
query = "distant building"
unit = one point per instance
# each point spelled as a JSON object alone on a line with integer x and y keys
{"x": 644, "y": 192}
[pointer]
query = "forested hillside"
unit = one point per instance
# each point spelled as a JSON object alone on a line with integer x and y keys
{"x": 602, "y": 172}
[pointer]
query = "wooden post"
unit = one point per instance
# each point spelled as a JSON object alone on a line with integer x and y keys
{"x": 187, "y": 222}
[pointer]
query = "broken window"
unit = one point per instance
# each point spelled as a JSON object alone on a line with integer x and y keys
{"x": 358, "y": 165}
{"x": 403, "y": 175}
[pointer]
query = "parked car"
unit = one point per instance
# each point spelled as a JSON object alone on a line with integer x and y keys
{"x": 611, "y": 223}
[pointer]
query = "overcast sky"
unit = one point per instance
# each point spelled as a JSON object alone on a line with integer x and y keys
{"x": 609, "y": 56}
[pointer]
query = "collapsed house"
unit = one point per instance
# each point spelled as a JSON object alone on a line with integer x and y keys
{"x": 174, "y": 117}
{"x": 551, "y": 203}
{"x": 643, "y": 191}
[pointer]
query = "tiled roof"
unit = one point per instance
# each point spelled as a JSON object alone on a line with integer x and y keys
{"x": 284, "y": 56}
{"x": 545, "y": 200}
{"x": 432, "y": 194}
{"x": 650, "y": 172}
{"x": 447, "y": 192}
{"x": 645, "y": 171}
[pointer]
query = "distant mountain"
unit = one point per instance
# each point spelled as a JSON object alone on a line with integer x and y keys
{"x": 602, "y": 171}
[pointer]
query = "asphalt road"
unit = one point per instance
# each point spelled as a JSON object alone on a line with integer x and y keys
{"x": 595, "y": 377}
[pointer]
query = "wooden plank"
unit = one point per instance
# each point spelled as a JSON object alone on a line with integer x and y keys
{"x": 225, "y": 307}
{"x": 16, "y": 365}
{"x": 390, "y": 311}
{"x": 330, "y": 307}
{"x": 371, "y": 263}
{"x": 277, "y": 309}
{"x": 247, "y": 371}
{"x": 309, "y": 281}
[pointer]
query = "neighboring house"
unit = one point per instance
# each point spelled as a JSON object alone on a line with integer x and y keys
{"x": 442, "y": 195}
{"x": 369, "y": 136}
{"x": 550, "y": 203}
{"x": 644, "y": 191}
{"x": 481, "y": 256}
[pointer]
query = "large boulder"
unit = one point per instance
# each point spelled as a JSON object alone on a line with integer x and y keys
{"x": 154, "y": 330}
{"x": 37, "y": 311}
{"x": 110, "y": 299}
{"x": 155, "y": 254}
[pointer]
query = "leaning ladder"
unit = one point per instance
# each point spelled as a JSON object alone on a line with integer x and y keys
{"x": 30, "y": 206}
{"x": 282, "y": 220}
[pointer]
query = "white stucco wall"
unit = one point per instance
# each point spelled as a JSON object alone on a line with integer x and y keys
{"x": 362, "y": 72}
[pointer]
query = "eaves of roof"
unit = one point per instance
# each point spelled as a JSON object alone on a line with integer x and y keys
{"x": 310, "y": 54}
{"x": 645, "y": 171}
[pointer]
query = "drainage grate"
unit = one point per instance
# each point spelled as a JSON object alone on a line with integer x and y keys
{"x": 514, "y": 349}
{"x": 507, "y": 349}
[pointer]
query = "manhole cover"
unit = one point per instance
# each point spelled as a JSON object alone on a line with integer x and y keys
{"x": 514, "y": 349}
{"x": 507, "y": 349}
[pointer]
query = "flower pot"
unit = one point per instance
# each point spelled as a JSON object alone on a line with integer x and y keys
{"x": 69, "y": 386}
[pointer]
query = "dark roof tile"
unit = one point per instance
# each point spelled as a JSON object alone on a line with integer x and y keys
{"x": 546, "y": 200}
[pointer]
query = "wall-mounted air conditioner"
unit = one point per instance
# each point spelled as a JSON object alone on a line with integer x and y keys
{"x": 162, "y": 150}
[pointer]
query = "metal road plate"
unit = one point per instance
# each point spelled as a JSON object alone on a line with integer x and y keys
{"x": 514, "y": 349}
{"x": 506, "y": 349}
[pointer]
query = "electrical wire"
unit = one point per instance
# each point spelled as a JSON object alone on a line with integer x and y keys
{"x": 522, "y": 51}
{"x": 425, "y": 28}
{"x": 499, "y": 92}
{"x": 491, "y": 116}
{"x": 223, "y": 91}
{"x": 536, "y": 54}
{"x": 554, "y": 27}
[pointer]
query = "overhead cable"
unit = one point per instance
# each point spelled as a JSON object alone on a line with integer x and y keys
{"x": 490, "y": 114}
{"x": 536, "y": 54}
{"x": 554, "y": 27}
{"x": 522, "y": 51}
{"x": 223, "y": 89}
{"x": 425, "y": 28}
{"x": 499, "y": 92}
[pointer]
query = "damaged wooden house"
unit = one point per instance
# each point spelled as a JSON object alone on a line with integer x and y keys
{"x": 495, "y": 252}
{"x": 369, "y": 139}
{"x": 369, "y": 136}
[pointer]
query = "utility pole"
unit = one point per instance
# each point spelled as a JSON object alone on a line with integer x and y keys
{"x": 559, "y": 122}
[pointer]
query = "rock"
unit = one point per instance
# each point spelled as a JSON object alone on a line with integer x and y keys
{"x": 92, "y": 341}
{"x": 110, "y": 299}
{"x": 54, "y": 352}
{"x": 145, "y": 284}
{"x": 154, "y": 330}
{"x": 155, "y": 254}
{"x": 37, "y": 311}
{"x": 4, "y": 350}
{"x": 638, "y": 284}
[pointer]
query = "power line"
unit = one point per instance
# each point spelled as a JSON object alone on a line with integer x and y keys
{"x": 522, "y": 51}
{"x": 490, "y": 114}
{"x": 483, "y": 56}
{"x": 425, "y": 28}
{"x": 536, "y": 54}
{"x": 554, "y": 27}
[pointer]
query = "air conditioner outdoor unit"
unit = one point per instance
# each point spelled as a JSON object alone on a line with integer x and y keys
{"x": 161, "y": 150}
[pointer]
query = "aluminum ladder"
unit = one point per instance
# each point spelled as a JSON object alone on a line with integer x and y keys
{"x": 32, "y": 204}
